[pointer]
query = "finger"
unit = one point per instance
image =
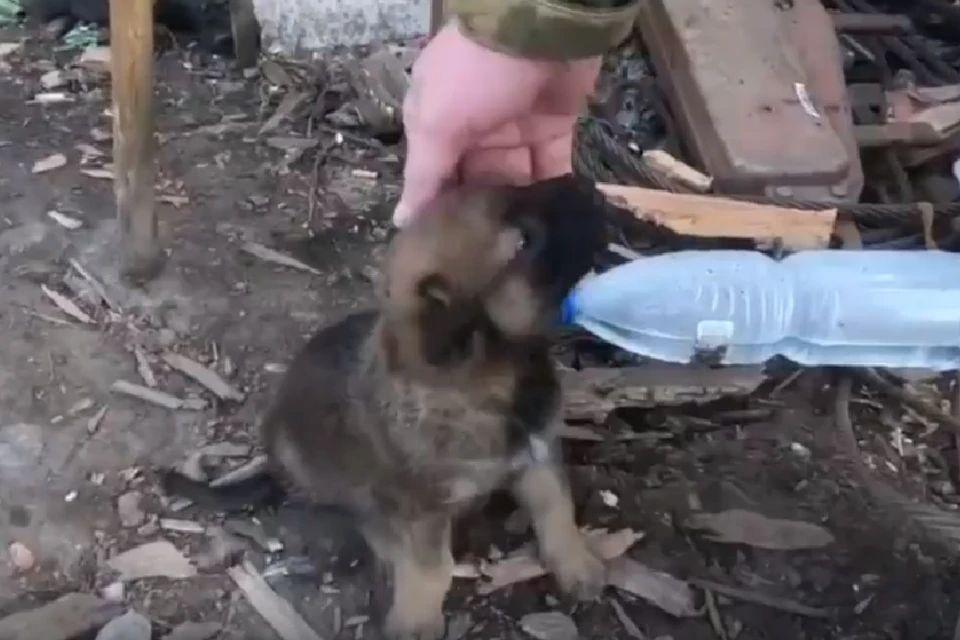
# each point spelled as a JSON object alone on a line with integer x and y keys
{"x": 431, "y": 165}
{"x": 553, "y": 157}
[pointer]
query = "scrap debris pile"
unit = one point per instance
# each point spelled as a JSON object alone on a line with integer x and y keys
{"x": 869, "y": 94}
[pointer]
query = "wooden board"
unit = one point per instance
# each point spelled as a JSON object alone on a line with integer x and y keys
{"x": 718, "y": 217}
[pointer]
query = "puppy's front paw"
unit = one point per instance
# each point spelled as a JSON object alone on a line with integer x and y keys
{"x": 579, "y": 573}
{"x": 414, "y": 623}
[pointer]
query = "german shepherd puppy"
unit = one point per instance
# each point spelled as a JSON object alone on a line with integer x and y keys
{"x": 403, "y": 416}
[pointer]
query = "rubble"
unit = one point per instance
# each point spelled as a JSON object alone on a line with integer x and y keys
{"x": 552, "y": 625}
{"x": 71, "y": 616}
{"x": 153, "y": 559}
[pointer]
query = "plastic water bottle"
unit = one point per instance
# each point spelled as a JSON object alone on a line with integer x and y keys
{"x": 839, "y": 308}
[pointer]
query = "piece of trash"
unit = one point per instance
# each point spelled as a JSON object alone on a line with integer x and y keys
{"x": 152, "y": 560}
{"x": 293, "y": 566}
{"x": 257, "y": 466}
{"x": 53, "y": 79}
{"x": 181, "y": 526}
{"x": 277, "y": 612}
{"x": 156, "y": 397}
{"x": 94, "y": 423}
{"x": 610, "y": 499}
{"x": 100, "y": 174}
{"x": 800, "y": 450}
{"x": 550, "y": 625}
{"x": 49, "y": 163}
{"x": 64, "y": 221}
{"x": 365, "y": 174}
{"x": 71, "y": 496}
{"x": 51, "y": 97}
{"x": 128, "y": 508}
{"x": 270, "y": 255}
{"x": 143, "y": 367}
{"x": 66, "y": 305}
{"x": 80, "y": 406}
{"x": 739, "y": 526}
{"x": 178, "y": 202}
{"x": 100, "y": 135}
{"x": 661, "y": 589}
{"x": 194, "y": 631}
{"x": 129, "y": 626}
{"x": 95, "y": 59}
{"x": 805, "y": 101}
{"x": 275, "y": 367}
{"x": 21, "y": 557}
{"x": 523, "y": 566}
{"x": 628, "y": 624}
{"x": 88, "y": 152}
{"x": 206, "y": 377}
{"x": 75, "y": 615}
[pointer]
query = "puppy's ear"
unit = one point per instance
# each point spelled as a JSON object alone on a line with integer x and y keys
{"x": 447, "y": 324}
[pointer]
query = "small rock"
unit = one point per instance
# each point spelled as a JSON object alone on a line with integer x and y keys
{"x": 95, "y": 59}
{"x": 551, "y": 625}
{"x": 21, "y": 557}
{"x": 128, "y": 508}
{"x": 194, "y": 631}
{"x": 259, "y": 201}
{"x": 155, "y": 559}
{"x": 943, "y": 487}
{"x": 129, "y": 626}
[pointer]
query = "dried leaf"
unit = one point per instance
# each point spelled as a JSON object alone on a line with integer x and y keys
{"x": 50, "y": 163}
{"x": 661, "y": 589}
{"x": 208, "y": 378}
{"x": 100, "y": 174}
{"x": 739, "y": 526}
{"x": 64, "y": 221}
{"x": 521, "y": 567}
{"x": 66, "y": 305}
{"x": 155, "y": 559}
{"x": 153, "y": 396}
{"x": 271, "y": 255}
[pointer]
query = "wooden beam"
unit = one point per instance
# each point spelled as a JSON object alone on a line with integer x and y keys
{"x": 131, "y": 43}
{"x": 718, "y": 217}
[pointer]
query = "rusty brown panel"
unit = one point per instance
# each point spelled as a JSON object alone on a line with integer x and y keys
{"x": 735, "y": 74}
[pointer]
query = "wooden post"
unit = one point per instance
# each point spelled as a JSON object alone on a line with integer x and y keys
{"x": 131, "y": 49}
{"x": 436, "y": 16}
{"x": 246, "y": 32}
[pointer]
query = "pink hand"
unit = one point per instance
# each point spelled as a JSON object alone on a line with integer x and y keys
{"x": 477, "y": 116}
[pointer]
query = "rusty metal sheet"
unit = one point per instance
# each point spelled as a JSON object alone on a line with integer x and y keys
{"x": 759, "y": 93}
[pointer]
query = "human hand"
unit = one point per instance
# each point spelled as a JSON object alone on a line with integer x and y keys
{"x": 473, "y": 115}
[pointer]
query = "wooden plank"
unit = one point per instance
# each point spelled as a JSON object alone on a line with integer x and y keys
{"x": 278, "y": 613}
{"x": 131, "y": 41}
{"x": 718, "y": 217}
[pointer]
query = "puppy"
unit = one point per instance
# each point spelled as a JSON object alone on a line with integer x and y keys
{"x": 405, "y": 415}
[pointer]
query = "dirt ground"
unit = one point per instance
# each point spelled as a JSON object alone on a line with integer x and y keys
{"x": 62, "y": 472}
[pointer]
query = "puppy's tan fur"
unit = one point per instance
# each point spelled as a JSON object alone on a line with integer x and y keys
{"x": 406, "y": 415}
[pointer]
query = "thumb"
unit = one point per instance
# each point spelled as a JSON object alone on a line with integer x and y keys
{"x": 432, "y": 162}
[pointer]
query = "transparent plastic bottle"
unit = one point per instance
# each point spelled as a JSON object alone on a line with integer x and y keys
{"x": 840, "y": 308}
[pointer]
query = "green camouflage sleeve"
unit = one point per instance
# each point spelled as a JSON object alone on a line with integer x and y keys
{"x": 546, "y": 29}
